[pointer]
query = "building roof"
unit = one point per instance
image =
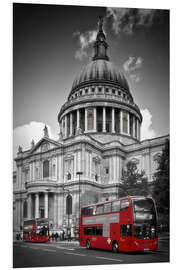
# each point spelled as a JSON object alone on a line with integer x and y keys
{"x": 100, "y": 70}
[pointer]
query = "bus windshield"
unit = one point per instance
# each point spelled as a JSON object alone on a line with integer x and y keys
{"x": 144, "y": 218}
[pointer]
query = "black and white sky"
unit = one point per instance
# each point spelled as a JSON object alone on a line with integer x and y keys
{"x": 51, "y": 44}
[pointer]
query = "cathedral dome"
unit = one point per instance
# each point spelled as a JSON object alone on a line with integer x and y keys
{"x": 100, "y": 70}
{"x": 100, "y": 102}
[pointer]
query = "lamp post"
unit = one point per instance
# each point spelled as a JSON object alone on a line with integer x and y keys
{"x": 67, "y": 190}
{"x": 79, "y": 173}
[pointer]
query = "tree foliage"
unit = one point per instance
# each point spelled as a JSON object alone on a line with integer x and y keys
{"x": 133, "y": 181}
{"x": 161, "y": 177}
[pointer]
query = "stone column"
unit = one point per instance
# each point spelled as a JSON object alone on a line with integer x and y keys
{"x": 134, "y": 123}
{"x": 55, "y": 210}
{"x": 71, "y": 125}
{"x": 113, "y": 121}
{"x": 75, "y": 162}
{"x": 78, "y": 119}
{"x": 46, "y": 204}
{"x": 128, "y": 121}
{"x": 37, "y": 205}
{"x": 86, "y": 120}
{"x": 90, "y": 165}
{"x": 139, "y": 130}
{"x": 29, "y": 205}
{"x": 94, "y": 119}
{"x": 104, "y": 119}
{"x": 121, "y": 121}
{"x": 114, "y": 169}
{"x": 65, "y": 126}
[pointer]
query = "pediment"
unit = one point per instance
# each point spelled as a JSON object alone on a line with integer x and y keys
{"x": 44, "y": 145}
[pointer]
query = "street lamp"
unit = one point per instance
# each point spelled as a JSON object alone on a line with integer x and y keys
{"x": 67, "y": 190}
{"x": 79, "y": 173}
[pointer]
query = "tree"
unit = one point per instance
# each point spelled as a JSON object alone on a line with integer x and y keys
{"x": 133, "y": 181}
{"x": 161, "y": 185}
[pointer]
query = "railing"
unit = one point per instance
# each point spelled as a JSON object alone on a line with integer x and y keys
{"x": 98, "y": 96}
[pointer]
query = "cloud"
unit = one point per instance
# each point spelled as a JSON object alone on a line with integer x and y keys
{"x": 133, "y": 64}
{"x": 136, "y": 77}
{"x": 23, "y": 135}
{"x": 147, "y": 131}
{"x": 84, "y": 41}
{"x": 126, "y": 20}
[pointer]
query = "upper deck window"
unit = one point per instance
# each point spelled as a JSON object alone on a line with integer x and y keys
{"x": 124, "y": 204}
{"x": 115, "y": 206}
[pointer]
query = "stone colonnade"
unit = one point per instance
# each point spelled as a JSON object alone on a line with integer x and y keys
{"x": 100, "y": 119}
{"x": 37, "y": 205}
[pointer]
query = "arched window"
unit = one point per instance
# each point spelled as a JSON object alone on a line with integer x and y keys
{"x": 25, "y": 209}
{"x": 46, "y": 168}
{"x": 69, "y": 205}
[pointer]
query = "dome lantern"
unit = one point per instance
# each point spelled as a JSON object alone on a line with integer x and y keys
{"x": 100, "y": 45}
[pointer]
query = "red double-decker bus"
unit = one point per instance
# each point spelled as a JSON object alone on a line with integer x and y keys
{"x": 124, "y": 224}
{"x": 36, "y": 230}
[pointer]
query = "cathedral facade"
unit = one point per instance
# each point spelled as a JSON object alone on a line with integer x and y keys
{"x": 100, "y": 131}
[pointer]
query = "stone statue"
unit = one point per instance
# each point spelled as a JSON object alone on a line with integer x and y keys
{"x": 32, "y": 143}
{"x": 46, "y": 134}
{"x": 20, "y": 149}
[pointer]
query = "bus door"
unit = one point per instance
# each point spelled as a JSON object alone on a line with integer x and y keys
{"x": 114, "y": 229}
{"x": 125, "y": 236}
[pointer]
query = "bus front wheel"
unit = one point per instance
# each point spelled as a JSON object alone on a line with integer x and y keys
{"x": 88, "y": 244}
{"x": 115, "y": 247}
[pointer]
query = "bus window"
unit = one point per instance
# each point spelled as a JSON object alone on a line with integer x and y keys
{"x": 94, "y": 230}
{"x": 126, "y": 230}
{"x": 124, "y": 204}
{"x": 115, "y": 206}
{"x": 107, "y": 207}
{"x": 98, "y": 230}
{"x": 100, "y": 209}
{"x": 87, "y": 211}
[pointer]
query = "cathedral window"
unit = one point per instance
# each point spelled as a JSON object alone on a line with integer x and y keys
{"x": 131, "y": 124}
{"x": 107, "y": 90}
{"x": 46, "y": 168}
{"x": 69, "y": 205}
{"x": 92, "y": 89}
{"x": 69, "y": 176}
{"x": 119, "y": 93}
{"x": 108, "y": 119}
{"x": 125, "y": 122}
{"x": 54, "y": 170}
{"x": 36, "y": 173}
{"x": 135, "y": 128}
{"x": 86, "y": 90}
{"x": 68, "y": 124}
{"x": 90, "y": 119}
{"x": 113, "y": 91}
{"x": 25, "y": 209}
{"x": 100, "y": 89}
{"x": 80, "y": 93}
